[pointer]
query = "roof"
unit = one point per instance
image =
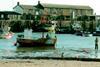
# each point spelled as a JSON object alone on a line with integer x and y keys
{"x": 27, "y": 6}
{"x": 39, "y": 5}
{"x": 9, "y": 12}
{"x": 66, "y": 6}
{"x": 44, "y": 5}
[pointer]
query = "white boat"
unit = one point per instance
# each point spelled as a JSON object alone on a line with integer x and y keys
{"x": 5, "y": 32}
{"x": 6, "y": 36}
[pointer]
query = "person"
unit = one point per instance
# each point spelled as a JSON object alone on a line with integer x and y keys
{"x": 48, "y": 36}
{"x": 96, "y": 43}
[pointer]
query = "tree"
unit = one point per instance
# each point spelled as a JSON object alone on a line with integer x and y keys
{"x": 84, "y": 18}
{"x": 60, "y": 18}
{"x": 91, "y": 27}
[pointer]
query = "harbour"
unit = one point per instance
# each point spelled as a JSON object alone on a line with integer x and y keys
{"x": 49, "y": 33}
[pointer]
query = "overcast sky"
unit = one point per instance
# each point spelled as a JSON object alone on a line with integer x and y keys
{"x": 7, "y": 5}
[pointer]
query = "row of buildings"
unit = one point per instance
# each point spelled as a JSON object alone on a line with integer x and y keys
{"x": 53, "y": 10}
{"x": 43, "y": 12}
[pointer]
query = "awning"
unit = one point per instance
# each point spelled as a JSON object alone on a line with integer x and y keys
{"x": 9, "y": 13}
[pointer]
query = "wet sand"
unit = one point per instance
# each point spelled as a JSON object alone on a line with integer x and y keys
{"x": 47, "y": 63}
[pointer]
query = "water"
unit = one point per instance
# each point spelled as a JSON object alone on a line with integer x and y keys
{"x": 69, "y": 45}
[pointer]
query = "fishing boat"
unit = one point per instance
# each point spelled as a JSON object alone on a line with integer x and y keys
{"x": 21, "y": 42}
{"x": 27, "y": 40}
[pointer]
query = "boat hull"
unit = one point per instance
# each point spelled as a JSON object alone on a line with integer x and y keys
{"x": 41, "y": 42}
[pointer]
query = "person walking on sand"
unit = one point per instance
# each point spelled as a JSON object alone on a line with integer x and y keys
{"x": 96, "y": 43}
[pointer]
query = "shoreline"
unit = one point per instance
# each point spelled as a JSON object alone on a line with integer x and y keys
{"x": 47, "y": 63}
{"x": 54, "y": 58}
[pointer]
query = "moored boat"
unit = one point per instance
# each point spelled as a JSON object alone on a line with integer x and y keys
{"x": 27, "y": 40}
{"x": 6, "y": 34}
{"x": 21, "y": 42}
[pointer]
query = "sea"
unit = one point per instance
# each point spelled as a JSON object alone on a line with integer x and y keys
{"x": 68, "y": 45}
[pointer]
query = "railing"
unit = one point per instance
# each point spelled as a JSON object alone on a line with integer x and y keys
{"x": 15, "y": 20}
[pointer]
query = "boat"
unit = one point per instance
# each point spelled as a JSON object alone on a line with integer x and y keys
{"x": 27, "y": 40}
{"x": 6, "y": 34}
{"x": 21, "y": 42}
{"x": 97, "y": 32}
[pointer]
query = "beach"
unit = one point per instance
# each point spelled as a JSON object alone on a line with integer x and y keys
{"x": 47, "y": 63}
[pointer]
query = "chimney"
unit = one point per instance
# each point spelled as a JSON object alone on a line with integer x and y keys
{"x": 38, "y": 2}
{"x": 17, "y": 3}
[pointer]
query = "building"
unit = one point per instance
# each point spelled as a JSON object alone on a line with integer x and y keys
{"x": 27, "y": 11}
{"x": 9, "y": 15}
{"x": 54, "y": 9}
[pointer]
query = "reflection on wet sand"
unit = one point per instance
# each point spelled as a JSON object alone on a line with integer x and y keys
{"x": 33, "y": 49}
{"x": 96, "y": 53}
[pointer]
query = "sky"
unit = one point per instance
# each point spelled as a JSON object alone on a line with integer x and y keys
{"x": 7, "y": 5}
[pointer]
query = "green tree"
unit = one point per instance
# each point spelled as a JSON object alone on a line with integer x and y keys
{"x": 91, "y": 27}
{"x": 84, "y": 19}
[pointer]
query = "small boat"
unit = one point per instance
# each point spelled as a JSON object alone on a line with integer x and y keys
{"x": 6, "y": 34}
{"x": 21, "y": 42}
{"x": 27, "y": 40}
